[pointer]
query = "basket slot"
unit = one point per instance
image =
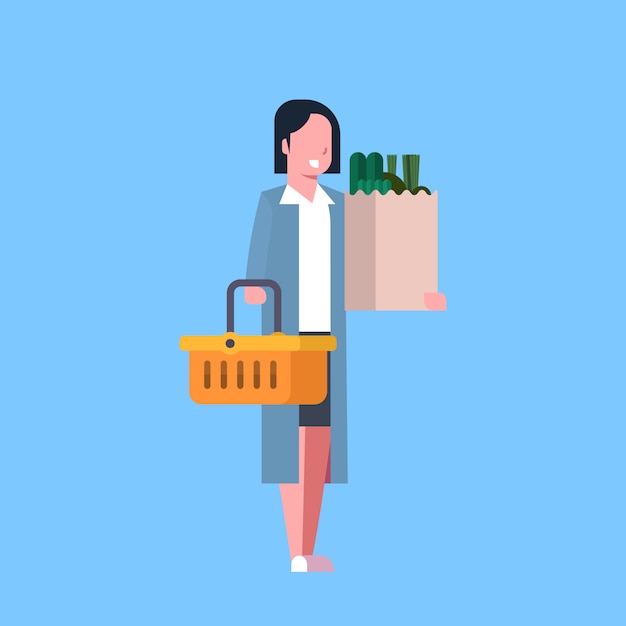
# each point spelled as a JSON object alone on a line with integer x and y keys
{"x": 239, "y": 374}
{"x": 257, "y": 374}
{"x": 224, "y": 375}
{"x": 207, "y": 374}
{"x": 272, "y": 374}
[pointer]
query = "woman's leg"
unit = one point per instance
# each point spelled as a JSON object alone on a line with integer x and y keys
{"x": 302, "y": 501}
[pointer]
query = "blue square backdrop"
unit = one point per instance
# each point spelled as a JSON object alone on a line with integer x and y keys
{"x": 486, "y": 443}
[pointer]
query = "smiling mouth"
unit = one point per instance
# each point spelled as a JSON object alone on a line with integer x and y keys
{"x": 314, "y": 163}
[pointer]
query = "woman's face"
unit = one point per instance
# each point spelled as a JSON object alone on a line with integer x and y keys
{"x": 310, "y": 149}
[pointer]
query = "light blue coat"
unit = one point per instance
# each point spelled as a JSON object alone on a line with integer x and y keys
{"x": 274, "y": 254}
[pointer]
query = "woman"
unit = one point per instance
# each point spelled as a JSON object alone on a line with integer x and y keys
{"x": 298, "y": 241}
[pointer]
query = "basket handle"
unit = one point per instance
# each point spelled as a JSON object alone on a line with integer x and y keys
{"x": 252, "y": 282}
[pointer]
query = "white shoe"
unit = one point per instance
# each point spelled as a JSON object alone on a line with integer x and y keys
{"x": 311, "y": 563}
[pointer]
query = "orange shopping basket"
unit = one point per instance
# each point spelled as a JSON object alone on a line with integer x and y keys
{"x": 251, "y": 369}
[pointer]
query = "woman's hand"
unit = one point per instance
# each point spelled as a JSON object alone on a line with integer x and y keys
{"x": 254, "y": 295}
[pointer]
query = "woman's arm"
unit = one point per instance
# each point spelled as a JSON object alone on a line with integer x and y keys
{"x": 259, "y": 250}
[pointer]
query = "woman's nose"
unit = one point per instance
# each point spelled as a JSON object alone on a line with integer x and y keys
{"x": 325, "y": 151}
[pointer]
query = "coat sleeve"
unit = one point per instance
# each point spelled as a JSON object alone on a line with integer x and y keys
{"x": 260, "y": 240}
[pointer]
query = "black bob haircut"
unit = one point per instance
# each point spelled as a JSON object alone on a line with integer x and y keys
{"x": 292, "y": 116}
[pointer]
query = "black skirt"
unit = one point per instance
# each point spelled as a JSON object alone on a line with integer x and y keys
{"x": 317, "y": 414}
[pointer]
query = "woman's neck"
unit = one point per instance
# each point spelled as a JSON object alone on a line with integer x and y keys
{"x": 304, "y": 185}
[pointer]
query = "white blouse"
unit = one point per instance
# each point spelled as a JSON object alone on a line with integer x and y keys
{"x": 314, "y": 258}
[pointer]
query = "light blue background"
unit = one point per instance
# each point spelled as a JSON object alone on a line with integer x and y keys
{"x": 486, "y": 443}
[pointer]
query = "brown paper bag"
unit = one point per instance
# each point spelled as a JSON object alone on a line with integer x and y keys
{"x": 391, "y": 252}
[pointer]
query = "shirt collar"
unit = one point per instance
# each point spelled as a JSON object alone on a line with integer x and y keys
{"x": 291, "y": 196}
